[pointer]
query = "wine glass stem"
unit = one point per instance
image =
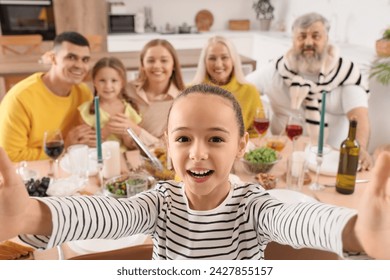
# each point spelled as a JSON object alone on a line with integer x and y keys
{"x": 294, "y": 144}
{"x": 51, "y": 168}
{"x": 55, "y": 169}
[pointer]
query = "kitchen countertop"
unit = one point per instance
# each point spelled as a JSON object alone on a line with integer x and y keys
{"x": 207, "y": 34}
{"x": 29, "y": 64}
{"x": 359, "y": 54}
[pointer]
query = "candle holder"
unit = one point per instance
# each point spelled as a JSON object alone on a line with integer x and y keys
{"x": 316, "y": 186}
{"x": 100, "y": 176}
{"x": 100, "y": 164}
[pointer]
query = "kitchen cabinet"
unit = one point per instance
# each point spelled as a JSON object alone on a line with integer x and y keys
{"x": 135, "y": 42}
{"x": 89, "y": 17}
{"x": 243, "y": 41}
{"x": 257, "y": 45}
{"x": 269, "y": 46}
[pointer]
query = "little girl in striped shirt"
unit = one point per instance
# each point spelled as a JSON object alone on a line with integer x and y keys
{"x": 205, "y": 216}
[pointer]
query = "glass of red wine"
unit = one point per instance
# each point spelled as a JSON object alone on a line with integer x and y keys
{"x": 294, "y": 128}
{"x": 53, "y": 145}
{"x": 261, "y": 121}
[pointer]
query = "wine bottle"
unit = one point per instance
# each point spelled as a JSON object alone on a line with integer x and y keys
{"x": 348, "y": 162}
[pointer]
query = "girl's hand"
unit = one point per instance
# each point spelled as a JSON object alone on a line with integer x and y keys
{"x": 373, "y": 222}
{"x": 81, "y": 134}
{"x": 14, "y": 199}
{"x": 119, "y": 123}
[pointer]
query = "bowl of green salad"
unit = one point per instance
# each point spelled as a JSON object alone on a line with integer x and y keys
{"x": 125, "y": 185}
{"x": 260, "y": 160}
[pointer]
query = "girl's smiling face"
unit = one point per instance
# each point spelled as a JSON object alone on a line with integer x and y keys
{"x": 108, "y": 83}
{"x": 203, "y": 144}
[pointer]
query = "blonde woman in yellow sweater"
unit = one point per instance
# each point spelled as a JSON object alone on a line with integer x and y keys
{"x": 220, "y": 65}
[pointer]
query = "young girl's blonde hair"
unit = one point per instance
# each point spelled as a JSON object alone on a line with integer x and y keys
{"x": 116, "y": 64}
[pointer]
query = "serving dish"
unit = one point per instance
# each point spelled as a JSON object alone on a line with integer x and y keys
{"x": 100, "y": 245}
{"x": 290, "y": 196}
{"x": 166, "y": 173}
{"x": 260, "y": 160}
{"x": 125, "y": 185}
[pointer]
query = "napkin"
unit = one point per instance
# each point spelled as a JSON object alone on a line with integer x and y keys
{"x": 65, "y": 186}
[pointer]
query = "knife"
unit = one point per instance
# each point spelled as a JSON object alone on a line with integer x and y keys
{"x": 358, "y": 181}
{"x": 144, "y": 150}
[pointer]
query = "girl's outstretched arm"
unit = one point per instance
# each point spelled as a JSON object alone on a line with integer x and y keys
{"x": 370, "y": 230}
{"x": 373, "y": 221}
{"x": 19, "y": 214}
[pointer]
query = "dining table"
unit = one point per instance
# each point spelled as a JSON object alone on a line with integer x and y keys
{"x": 327, "y": 195}
{"x": 131, "y": 160}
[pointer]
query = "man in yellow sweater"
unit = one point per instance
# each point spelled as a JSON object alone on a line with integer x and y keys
{"x": 48, "y": 101}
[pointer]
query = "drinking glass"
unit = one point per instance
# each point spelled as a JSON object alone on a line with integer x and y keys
{"x": 296, "y": 168}
{"x": 53, "y": 145}
{"x": 261, "y": 121}
{"x": 294, "y": 127}
{"x": 78, "y": 156}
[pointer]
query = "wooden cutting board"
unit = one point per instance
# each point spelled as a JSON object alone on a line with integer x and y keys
{"x": 243, "y": 24}
{"x": 204, "y": 20}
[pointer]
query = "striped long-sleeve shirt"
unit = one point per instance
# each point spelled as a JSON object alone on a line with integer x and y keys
{"x": 239, "y": 228}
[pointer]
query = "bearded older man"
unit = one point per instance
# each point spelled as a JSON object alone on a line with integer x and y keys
{"x": 295, "y": 82}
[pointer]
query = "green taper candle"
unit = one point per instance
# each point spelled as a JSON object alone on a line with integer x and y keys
{"x": 322, "y": 124}
{"x": 98, "y": 131}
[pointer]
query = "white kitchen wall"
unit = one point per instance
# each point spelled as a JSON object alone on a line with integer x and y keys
{"x": 357, "y": 22}
{"x": 176, "y": 12}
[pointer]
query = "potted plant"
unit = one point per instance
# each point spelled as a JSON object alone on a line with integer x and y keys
{"x": 264, "y": 13}
{"x": 383, "y": 44}
{"x": 380, "y": 68}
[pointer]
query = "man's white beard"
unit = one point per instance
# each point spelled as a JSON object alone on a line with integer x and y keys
{"x": 309, "y": 65}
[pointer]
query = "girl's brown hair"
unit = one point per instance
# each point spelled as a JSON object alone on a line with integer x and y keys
{"x": 207, "y": 89}
{"x": 176, "y": 77}
{"x": 116, "y": 64}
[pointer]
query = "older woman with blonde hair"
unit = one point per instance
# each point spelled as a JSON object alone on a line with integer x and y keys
{"x": 220, "y": 64}
{"x": 159, "y": 82}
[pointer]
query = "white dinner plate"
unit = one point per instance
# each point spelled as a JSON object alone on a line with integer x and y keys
{"x": 290, "y": 196}
{"x": 92, "y": 164}
{"x": 330, "y": 162}
{"x": 101, "y": 245}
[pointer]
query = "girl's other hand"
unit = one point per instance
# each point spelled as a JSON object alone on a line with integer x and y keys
{"x": 14, "y": 199}
{"x": 119, "y": 123}
{"x": 373, "y": 222}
